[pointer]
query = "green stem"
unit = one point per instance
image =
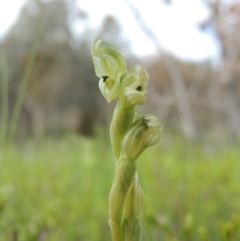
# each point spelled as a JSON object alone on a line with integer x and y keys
{"x": 123, "y": 117}
{"x": 125, "y": 172}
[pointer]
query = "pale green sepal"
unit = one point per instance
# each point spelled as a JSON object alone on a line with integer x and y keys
{"x": 143, "y": 133}
{"x": 107, "y": 59}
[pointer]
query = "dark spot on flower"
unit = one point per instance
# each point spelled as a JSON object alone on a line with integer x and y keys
{"x": 145, "y": 123}
{"x": 139, "y": 88}
{"x": 104, "y": 77}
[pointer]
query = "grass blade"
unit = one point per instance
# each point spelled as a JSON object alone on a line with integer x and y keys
{"x": 4, "y": 98}
{"x": 24, "y": 82}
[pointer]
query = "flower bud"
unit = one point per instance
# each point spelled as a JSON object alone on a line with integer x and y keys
{"x": 110, "y": 67}
{"x": 133, "y": 87}
{"x": 143, "y": 133}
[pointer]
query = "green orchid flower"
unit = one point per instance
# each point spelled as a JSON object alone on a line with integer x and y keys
{"x": 110, "y": 67}
{"x": 134, "y": 87}
{"x": 144, "y": 132}
{"x": 132, "y": 92}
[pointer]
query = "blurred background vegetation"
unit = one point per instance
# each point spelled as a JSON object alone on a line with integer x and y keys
{"x": 55, "y": 179}
{"x": 196, "y": 99}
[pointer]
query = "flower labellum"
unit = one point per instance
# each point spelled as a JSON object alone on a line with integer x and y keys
{"x": 109, "y": 87}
